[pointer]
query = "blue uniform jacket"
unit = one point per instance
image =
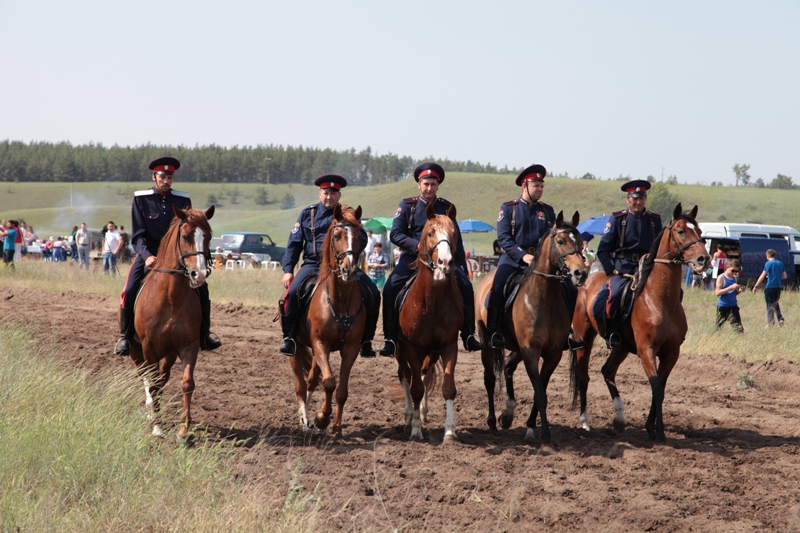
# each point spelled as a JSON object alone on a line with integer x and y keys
{"x": 531, "y": 222}
{"x": 621, "y": 252}
{"x": 301, "y": 238}
{"x": 151, "y": 215}
{"x": 407, "y": 238}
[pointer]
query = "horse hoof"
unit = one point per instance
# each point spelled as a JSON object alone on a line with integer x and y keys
{"x": 619, "y": 425}
{"x": 492, "y": 423}
{"x": 416, "y": 434}
{"x": 529, "y": 435}
{"x": 506, "y": 420}
{"x": 157, "y": 431}
{"x": 321, "y": 422}
{"x": 450, "y": 438}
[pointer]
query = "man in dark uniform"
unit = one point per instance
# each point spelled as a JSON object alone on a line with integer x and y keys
{"x": 308, "y": 236}
{"x": 407, "y": 227}
{"x": 628, "y": 235}
{"x": 520, "y": 226}
{"x": 152, "y": 214}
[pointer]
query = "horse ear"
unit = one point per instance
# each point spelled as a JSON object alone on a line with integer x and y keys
{"x": 337, "y": 212}
{"x": 180, "y": 213}
{"x": 576, "y": 219}
{"x": 358, "y": 213}
{"x": 210, "y": 212}
{"x": 678, "y": 211}
{"x": 560, "y": 218}
{"x": 451, "y": 211}
{"x": 429, "y": 211}
{"x": 693, "y": 212}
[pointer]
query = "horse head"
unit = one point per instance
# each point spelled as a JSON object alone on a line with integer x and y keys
{"x": 436, "y": 242}
{"x": 345, "y": 242}
{"x": 193, "y": 237}
{"x": 686, "y": 242}
{"x": 566, "y": 249}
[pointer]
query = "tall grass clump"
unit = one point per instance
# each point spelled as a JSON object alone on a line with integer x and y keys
{"x": 76, "y": 455}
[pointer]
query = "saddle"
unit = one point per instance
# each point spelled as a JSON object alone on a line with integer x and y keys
{"x": 309, "y": 286}
{"x": 631, "y": 288}
{"x": 401, "y": 296}
{"x": 510, "y": 290}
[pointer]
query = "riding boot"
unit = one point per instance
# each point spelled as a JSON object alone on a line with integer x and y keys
{"x": 389, "y": 331}
{"x": 614, "y": 339}
{"x": 471, "y": 341}
{"x": 288, "y": 324}
{"x": 123, "y": 346}
{"x": 207, "y": 342}
{"x": 493, "y": 328}
{"x": 369, "y": 333}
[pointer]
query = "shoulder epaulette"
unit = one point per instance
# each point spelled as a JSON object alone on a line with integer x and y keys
{"x": 412, "y": 200}
{"x": 617, "y": 214}
{"x": 445, "y": 202}
{"x": 656, "y": 215}
{"x": 180, "y": 193}
{"x": 546, "y": 205}
{"x": 146, "y": 192}
{"x": 512, "y": 202}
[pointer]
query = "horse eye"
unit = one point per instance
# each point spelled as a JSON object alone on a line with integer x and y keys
{"x": 185, "y": 238}
{"x": 430, "y": 234}
{"x": 681, "y": 232}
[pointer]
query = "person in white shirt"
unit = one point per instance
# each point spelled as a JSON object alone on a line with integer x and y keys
{"x": 112, "y": 244}
{"x": 83, "y": 238}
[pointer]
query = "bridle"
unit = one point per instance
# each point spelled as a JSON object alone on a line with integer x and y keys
{"x": 345, "y": 320}
{"x": 562, "y": 270}
{"x": 678, "y": 259}
{"x": 339, "y": 257}
{"x": 428, "y": 259}
{"x": 181, "y": 268}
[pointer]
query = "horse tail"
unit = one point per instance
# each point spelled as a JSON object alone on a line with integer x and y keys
{"x": 499, "y": 365}
{"x": 574, "y": 377}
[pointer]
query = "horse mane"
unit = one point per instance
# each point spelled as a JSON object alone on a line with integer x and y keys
{"x": 325, "y": 265}
{"x": 197, "y": 218}
{"x": 649, "y": 260}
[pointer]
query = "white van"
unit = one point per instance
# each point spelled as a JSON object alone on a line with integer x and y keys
{"x": 723, "y": 229}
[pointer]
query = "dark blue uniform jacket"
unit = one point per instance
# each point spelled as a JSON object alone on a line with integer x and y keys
{"x": 152, "y": 214}
{"x": 625, "y": 239}
{"x": 530, "y": 223}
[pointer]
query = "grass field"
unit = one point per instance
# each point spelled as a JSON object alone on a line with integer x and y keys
{"x": 54, "y": 208}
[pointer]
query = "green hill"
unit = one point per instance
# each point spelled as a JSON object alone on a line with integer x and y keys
{"x": 53, "y": 208}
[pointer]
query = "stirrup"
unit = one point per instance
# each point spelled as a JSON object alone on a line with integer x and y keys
{"x": 614, "y": 341}
{"x": 288, "y": 347}
{"x": 497, "y": 341}
{"x": 573, "y": 343}
{"x": 208, "y": 342}
{"x": 472, "y": 343}
{"x": 389, "y": 348}
{"x": 123, "y": 347}
{"x": 366, "y": 350}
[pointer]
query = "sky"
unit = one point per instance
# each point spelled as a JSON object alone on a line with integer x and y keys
{"x": 631, "y": 88}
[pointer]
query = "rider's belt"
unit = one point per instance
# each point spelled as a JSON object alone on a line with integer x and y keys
{"x": 628, "y": 256}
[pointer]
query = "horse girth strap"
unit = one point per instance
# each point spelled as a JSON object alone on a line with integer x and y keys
{"x": 346, "y": 320}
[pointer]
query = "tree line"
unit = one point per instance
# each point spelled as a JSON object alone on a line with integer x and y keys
{"x": 47, "y": 162}
{"x": 742, "y": 173}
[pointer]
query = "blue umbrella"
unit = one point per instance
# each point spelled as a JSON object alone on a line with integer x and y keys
{"x": 593, "y": 226}
{"x": 478, "y": 226}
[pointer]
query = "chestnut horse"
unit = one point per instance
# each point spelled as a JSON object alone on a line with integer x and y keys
{"x": 657, "y": 326}
{"x": 334, "y": 320}
{"x": 429, "y": 322}
{"x": 167, "y": 316}
{"x": 538, "y": 323}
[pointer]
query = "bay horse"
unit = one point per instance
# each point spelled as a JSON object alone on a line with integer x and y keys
{"x": 538, "y": 322}
{"x": 429, "y": 322}
{"x": 657, "y": 326}
{"x": 334, "y": 320}
{"x": 167, "y": 311}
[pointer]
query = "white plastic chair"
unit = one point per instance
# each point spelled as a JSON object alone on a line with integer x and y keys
{"x": 230, "y": 264}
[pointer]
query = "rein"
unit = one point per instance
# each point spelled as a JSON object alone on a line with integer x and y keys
{"x": 345, "y": 320}
{"x": 678, "y": 259}
{"x": 561, "y": 266}
{"x": 181, "y": 268}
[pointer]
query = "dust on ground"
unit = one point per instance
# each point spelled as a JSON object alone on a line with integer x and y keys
{"x": 731, "y": 461}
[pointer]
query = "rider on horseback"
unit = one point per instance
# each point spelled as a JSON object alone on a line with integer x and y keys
{"x": 407, "y": 227}
{"x": 152, "y": 214}
{"x": 307, "y": 236}
{"x": 628, "y": 235}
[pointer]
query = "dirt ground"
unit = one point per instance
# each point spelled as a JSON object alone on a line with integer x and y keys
{"x": 731, "y": 461}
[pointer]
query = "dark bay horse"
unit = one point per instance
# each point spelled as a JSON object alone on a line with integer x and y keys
{"x": 334, "y": 320}
{"x": 657, "y": 327}
{"x": 167, "y": 316}
{"x": 429, "y": 324}
{"x": 538, "y": 322}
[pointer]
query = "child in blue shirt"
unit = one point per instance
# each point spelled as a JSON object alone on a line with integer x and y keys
{"x": 727, "y": 288}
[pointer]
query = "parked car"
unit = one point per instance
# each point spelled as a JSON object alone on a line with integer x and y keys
{"x": 252, "y": 243}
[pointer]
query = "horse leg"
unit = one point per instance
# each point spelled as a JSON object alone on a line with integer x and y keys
{"x": 404, "y": 375}
{"x": 579, "y": 376}
{"x": 449, "y": 359}
{"x": 507, "y": 416}
{"x": 427, "y": 381}
{"x": 490, "y": 376}
{"x": 187, "y": 388}
{"x": 301, "y": 388}
{"x": 609, "y": 372}
{"x": 349, "y": 355}
{"x": 550, "y": 361}
{"x": 321, "y": 356}
{"x": 658, "y": 384}
{"x": 413, "y": 390}
{"x": 531, "y": 360}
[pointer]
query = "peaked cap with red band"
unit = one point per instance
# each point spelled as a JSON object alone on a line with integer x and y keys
{"x": 331, "y": 181}
{"x": 532, "y": 173}
{"x": 165, "y": 165}
{"x": 637, "y": 188}
{"x": 429, "y": 170}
